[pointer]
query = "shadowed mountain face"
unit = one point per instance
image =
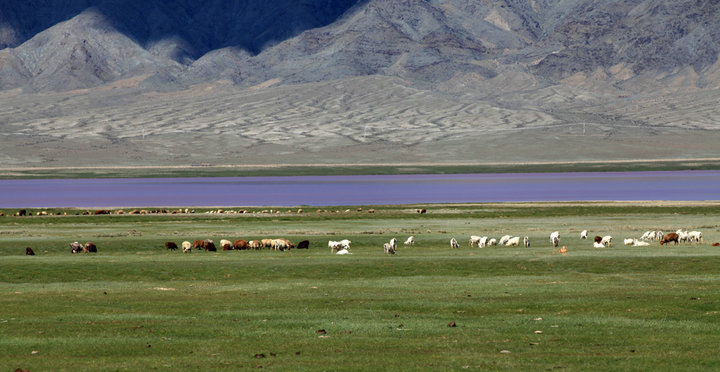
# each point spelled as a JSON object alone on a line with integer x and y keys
{"x": 197, "y": 26}
{"x": 69, "y": 44}
{"x": 599, "y": 78}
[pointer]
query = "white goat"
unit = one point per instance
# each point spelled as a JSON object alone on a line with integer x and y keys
{"x": 454, "y": 243}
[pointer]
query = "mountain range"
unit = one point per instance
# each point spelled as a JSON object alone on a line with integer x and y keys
{"x": 558, "y": 59}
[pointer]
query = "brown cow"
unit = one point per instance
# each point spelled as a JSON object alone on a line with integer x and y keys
{"x": 209, "y": 245}
{"x": 90, "y": 248}
{"x": 597, "y": 239}
{"x": 670, "y": 237}
{"x": 227, "y": 247}
{"x": 240, "y": 245}
{"x": 29, "y": 251}
{"x": 102, "y": 211}
{"x": 21, "y": 212}
{"x": 170, "y": 246}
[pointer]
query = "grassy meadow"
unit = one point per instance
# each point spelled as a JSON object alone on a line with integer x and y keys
{"x": 135, "y": 306}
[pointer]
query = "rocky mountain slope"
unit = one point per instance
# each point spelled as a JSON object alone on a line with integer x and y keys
{"x": 385, "y": 76}
{"x": 61, "y": 45}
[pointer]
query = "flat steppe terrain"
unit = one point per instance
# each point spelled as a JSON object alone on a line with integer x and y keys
{"x": 134, "y": 305}
{"x": 367, "y": 120}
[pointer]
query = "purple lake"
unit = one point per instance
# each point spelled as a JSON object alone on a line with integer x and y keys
{"x": 360, "y": 190}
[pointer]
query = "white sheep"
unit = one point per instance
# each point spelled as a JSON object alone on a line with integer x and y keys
{"x": 388, "y": 248}
{"x": 410, "y": 241}
{"x": 629, "y": 241}
{"x": 492, "y": 242}
{"x": 186, "y": 246}
{"x": 454, "y": 243}
{"x": 504, "y": 239}
{"x": 474, "y": 240}
{"x": 695, "y": 236}
{"x": 343, "y": 251}
{"x": 483, "y": 242}
{"x": 606, "y": 241}
{"x": 393, "y": 242}
{"x": 513, "y": 241}
{"x": 526, "y": 241}
{"x": 555, "y": 238}
{"x": 335, "y": 246}
{"x": 583, "y": 234}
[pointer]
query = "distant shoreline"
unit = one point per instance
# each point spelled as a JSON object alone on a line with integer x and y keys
{"x": 320, "y": 169}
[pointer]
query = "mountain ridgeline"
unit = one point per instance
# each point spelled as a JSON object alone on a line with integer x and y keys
{"x": 60, "y": 45}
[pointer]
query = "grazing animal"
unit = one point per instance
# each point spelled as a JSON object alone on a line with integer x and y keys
{"x": 504, "y": 239}
{"x": 282, "y": 244}
{"x": 629, "y": 241}
{"x": 209, "y": 245}
{"x": 670, "y": 237}
{"x": 198, "y": 244}
{"x": 21, "y": 212}
{"x": 598, "y": 245}
{"x": 170, "y": 246}
{"x": 334, "y": 246}
{"x": 410, "y": 241}
{"x": 266, "y": 243}
{"x": 483, "y": 242}
{"x": 597, "y": 239}
{"x": 606, "y": 241}
{"x": 393, "y": 242}
{"x": 492, "y": 242}
{"x": 343, "y": 251}
{"x": 90, "y": 248}
{"x": 422, "y": 211}
{"x": 240, "y": 245}
{"x": 695, "y": 236}
{"x": 186, "y": 246}
{"x": 454, "y": 243}
{"x": 388, "y": 248}
{"x": 29, "y": 251}
{"x": 255, "y": 244}
{"x": 102, "y": 211}
{"x": 513, "y": 241}
{"x": 526, "y": 241}
{"x": 474, "y": 240}
{"x": 583, "y": 234}
{"x": 555, "y": 238}
{"x": 76, "y": 247}
{"x": 305, "y": 244}
{"x": 226, "y": 245}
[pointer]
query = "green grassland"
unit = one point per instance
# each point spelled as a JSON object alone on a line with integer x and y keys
{"x": 135, "y": 306}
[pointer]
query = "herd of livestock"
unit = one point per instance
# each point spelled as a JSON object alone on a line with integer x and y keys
{"x": 342, "y": 247}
